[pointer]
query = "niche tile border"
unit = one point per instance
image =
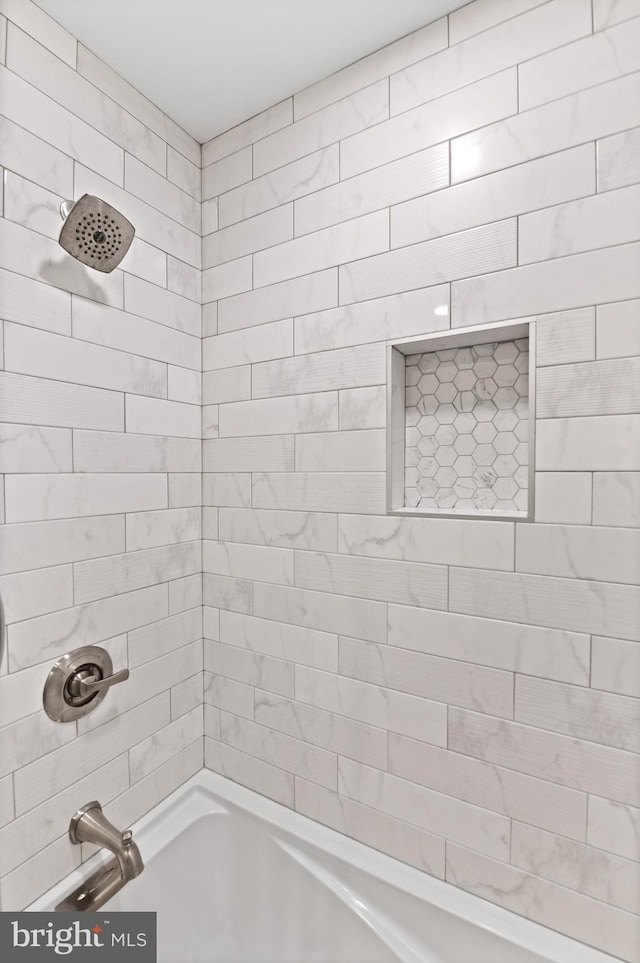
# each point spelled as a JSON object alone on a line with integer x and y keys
{"x": 397, "y": 354}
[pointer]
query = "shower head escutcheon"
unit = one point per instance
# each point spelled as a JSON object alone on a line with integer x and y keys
{"x": 95, "y": 233}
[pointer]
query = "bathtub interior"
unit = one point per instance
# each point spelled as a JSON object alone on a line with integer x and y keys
{"x": 235, "y": 878}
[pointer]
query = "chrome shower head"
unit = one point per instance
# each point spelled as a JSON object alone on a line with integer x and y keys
{"x": 95, "y": 233}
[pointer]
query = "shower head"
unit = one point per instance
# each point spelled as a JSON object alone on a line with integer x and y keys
{"x": 95, "y": 233}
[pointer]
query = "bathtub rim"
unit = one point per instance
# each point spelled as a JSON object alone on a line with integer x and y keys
{"x": 208, "y": 792}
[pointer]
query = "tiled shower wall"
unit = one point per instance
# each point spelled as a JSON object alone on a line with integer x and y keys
{"x": 460, "y": 694}
{"x": 99, "y": 448}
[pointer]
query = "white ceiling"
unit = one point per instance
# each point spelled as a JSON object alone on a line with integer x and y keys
{"x": 210, "y": 64}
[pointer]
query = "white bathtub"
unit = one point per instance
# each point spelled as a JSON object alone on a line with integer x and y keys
{"x": 236, "y": 878}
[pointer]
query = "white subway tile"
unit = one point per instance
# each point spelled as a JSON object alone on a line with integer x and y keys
{"x": 563, "y": 497}
{"x": 28, "y": 594}
{"x": 184, "y": 385}
{"x": 339, "y": 614}
{"x": 184, "y": 173}
{"x": 185, "y": 593}
{"x": 151, "y": 529}
{"x": 148, "y": 755}
{"x": 299, "y": 296}
{"x": 163, "y": 637}
{"x": 280, "y": 186}
{"x": 235, "y": 348}
{"x": 618, "y": 329}
{"x": 255, "y": 453}
{"x": 224, "y": 592}
{"x": 595, "y": 222}
{"x": 372, "y": 704}
{"x": 577, "y": 605}
{"x": 243, "y": 135}
{"x": 475, "y": 17}
{"x": 321, "y": 492}
{"x": 225, "y": 174}
{"x": 32, "y": 352}
{"x": 556, "y": 907}
{"x": 95, "y": 451}
{"x": 601, "y": 717}
{"x": 228, "y": 695}
{"x": 118, "y": 574}
{"x": 249, "y": 668}
{"x": 506, "y": 193}
{"x": 39, "y": 544}
{"x": 42, "y": 28}
{"x": 210, "y": 421}
{"x": 225, "y": 280}
{"x": 310, "y": 531}
{"x": 345, "y": 368}
{"x": 522, "y": 797}
{"x": 186, "y": 696}
{"x": 618, "y": 160}
{"x": 209, "y": 223}
{"x": 48, "y": 637}
{"x": 565, "y": 337}
{"x": 147, "y": 262}
{"x": 462, "y": 110}
{"x": 529, "y": 649}
{"x": 363, "y": 408}
{"x": 614, "y": 827}
{"x": 615, "y": 666}
{"x": 579, "y": 280}
{"x": 358, "y": 238}
{"x": 183, "y": 279}
{"x": 341, "y": 451}
{"x": 576, "y": 551}
{"x": 280, "y": 640}
{"x": 606, "y": 13}
{"x": 312, "y": 412}
{"x": 27, "y": 740}
{"x": 30, "y": 205}
{"x": 41, "y": 497}
{"x": 28, "y": 448}
{"x": 248, "y": 236}
{"x": 226, "y": 384}
{"x": 576, "y": 119}
{"x": 474, "y": 252}
{"x": 547, "y": 755}
{"x": 153, "y": 416}
{"x": 259, "y": 562}
{"x": 595, "y": 388}
{"x": 185, "y": 490}
{"x": 607, "y": 443}
{"x": 164, "y": 307}
{"x": 36, "y": 160}
{"x": 250, "y": 772}
{"x": 41, "y": 402}
{"x": 616, "y": 498}
{"x": 455, "y": 820}
{"x": 30, "y": 302}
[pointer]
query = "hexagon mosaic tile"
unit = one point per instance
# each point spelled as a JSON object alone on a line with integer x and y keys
{"x": 467, "y": 425}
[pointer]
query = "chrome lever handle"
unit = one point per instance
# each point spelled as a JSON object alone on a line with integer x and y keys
{"x": 90, "y": 685}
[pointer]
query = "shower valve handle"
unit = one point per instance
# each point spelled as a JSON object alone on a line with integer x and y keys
{"x": 87, "y": 686}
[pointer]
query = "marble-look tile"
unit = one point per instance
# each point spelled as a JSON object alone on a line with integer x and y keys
{"x": 601, "y": 221}
{"x": 33, "y": 303}
{"x": 36, "y": 160}
{"x": 136, "y": 335}
{"x": 614, "y": 827}
{"x": 162, "y": 306}
{"x": 314, "y": 292}
{"x": 225, "y": 592}
{"x": 339, "y": 614}
{"x": 250, "y": 772}
{"x": 225, "y": 174}
{"x": 363, "y": 408}
{"x": 6, "y": 800}
{"x": 32, "y": 206}
{"x": 83, "y": 100}
{"x": 243, "y": 135}
{"x": 574, "y": 604}
{"x": 230, "y": 489}
{"x": 563, "y": 497}
{"x": 320, "y": 492}
{"x": 513, "y": 794}
{"x": 346, "y": 737}
{"x": 590, "y": 61}
{"x": 412, "y": 176}
{"x": 615, "y": 666}
{"x": 153, "y": 416}
{"x": 446, "y": 117}
{"x": 566, "y": 337}
{"x": 146, "y": 262}
{"x": 234, "y": 348}
{"x": 606, "y": 13}
{"x": 572, "y": 864}
{"x": 40, "y": 544}
{"x": 560, "y": 759}
{"x": 226, "y": 384}
{"x": 529, "y": 649}
{"x": 157, "y": 749}
{"x": 228, "y": 695}
{"x": 556, "y": 907}
{"x": 117, "y": 574}
{"x": 306, "y": 412}
{"x": 616, "y": 498}
{"x": 27, "y": 740}
{"x": 618, "y": 160}
{"x": 26, "y": 595}
{"x": 576, "y": 119}
{"x": 227, "y": 279}
{"x": 603, "y": 444}
{"x": 32, "y": 352}
{"x": 344, "y": 368}
{"x": 21, "y": 695}
{"x": 430, "y": 677}
{"x": 209, "y": 224}
{"x": 42, "y": 28}
{"x": 185, "y": 490}
{"x": 618, "y": 329}
{"x": 150, "y": 529}
{"x": 372, "y": 704}
{"x": 478, "y": 251}
{"x": 28, "y": 448}
{"x": 41, "y": 497}
{"x": 184, "y": 385}
{"x": 144, "y": 183}
{"x": 184, "y": 173}
{"x": 393, "y": 836}
{"x": 473, "y": 18}
{"x": 185, "y": 593}
{"x": 605, "y": 554}
{"x": 341, "y": 451}
{"x": 360, "y": 237}
{"x": 266, "y": 453}
{"x": 280, "y": 641}
{"x": 390, "y": 581}
{"x": 485, "y": 831}
{"x": 602, "y": 717}
{"x": 258, "y": 562}
{"x": 184, "y": 279}
{"x": 188, "y": 695}
{"x": 163, "y": 637}
{"x": 50, "y": 636}
{"x": 311, "y": 530}
{"x": 280, "y": 186}
{"x": 38, "y": 874}
{"x": 292, "y": 755}
{"x": 245, "y": 237}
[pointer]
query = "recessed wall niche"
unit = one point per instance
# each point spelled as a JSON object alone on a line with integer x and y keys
{"x": 460, "y": 423}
